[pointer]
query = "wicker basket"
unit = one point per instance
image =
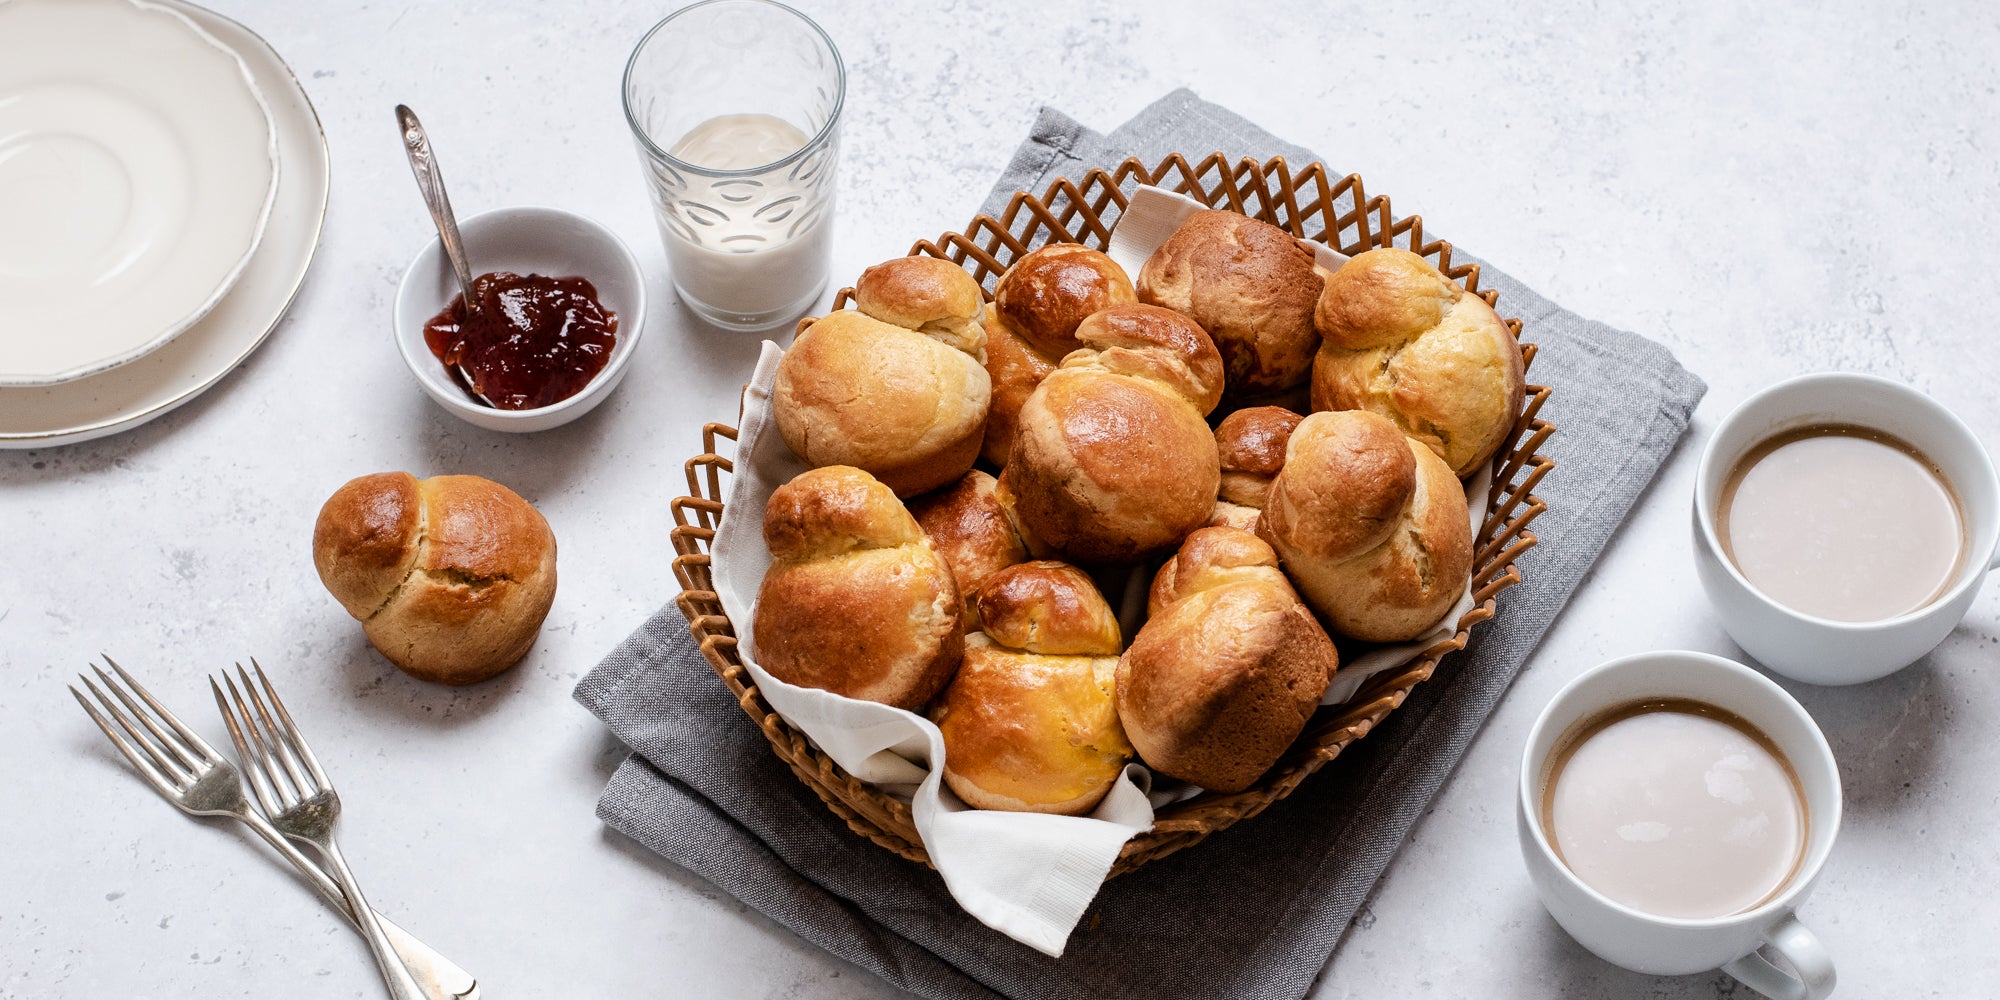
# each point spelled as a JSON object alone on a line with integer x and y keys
{"x": 1334, "y": 211}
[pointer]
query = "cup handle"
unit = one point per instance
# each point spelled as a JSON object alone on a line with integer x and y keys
{"x": 1799, "y": 947}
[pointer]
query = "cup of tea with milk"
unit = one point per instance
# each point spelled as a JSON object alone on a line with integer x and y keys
{"x": 1842, "y": 525}
{"x": 1675, "y": 808}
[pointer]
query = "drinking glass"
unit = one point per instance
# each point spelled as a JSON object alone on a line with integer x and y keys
{"x": 747, "y": 247}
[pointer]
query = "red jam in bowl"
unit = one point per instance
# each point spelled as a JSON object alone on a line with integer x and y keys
{"x": 532, "y": 342}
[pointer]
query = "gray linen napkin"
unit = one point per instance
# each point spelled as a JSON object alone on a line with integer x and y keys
{"x": 1255, "y": 910}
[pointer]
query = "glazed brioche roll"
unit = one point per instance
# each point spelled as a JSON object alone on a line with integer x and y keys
{"x": 450, "y": 576}
{"x": 857, "y": 600}
{"x": 931, "y": 296}
{"x": 1372, "y": 526}
{"x": 1404, "y": 341}
{"x": 1251, "y": 285}
{"x": 1030, "y": 722}
{"x": 1228, "y": 667}
{"x": 907, "y": 407}
{"x": 1113, "y": 459}
{"x": 1037, "y": 306}
{"x": 974, "y": 532}
{"x": 1251, "y": 446}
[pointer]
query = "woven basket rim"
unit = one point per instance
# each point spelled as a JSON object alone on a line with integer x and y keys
{"x": 1071, "y": 211}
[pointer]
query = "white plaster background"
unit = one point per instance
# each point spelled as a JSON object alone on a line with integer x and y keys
{"x": 1768, "y": 189}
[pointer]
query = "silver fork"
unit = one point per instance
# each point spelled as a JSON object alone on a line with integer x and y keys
{"x": 191, "y": 775}
{"x": 301, "y": 802}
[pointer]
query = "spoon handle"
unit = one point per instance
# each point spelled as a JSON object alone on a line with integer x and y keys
{"x": 430, "y": 181}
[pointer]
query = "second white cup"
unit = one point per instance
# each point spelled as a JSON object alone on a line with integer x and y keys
{"x": 1820, "y": 650}
{"x": 1649, "y": 943}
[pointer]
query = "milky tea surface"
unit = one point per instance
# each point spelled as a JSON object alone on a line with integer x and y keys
{"x": 1675, "y": 810}
{"x": 1843, "y": 523}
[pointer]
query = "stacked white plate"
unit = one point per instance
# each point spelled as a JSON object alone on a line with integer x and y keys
{"x": 163, "y": 179}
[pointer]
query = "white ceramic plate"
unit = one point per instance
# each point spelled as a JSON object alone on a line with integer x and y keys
{"x": 137, "y": 170}
{"x": 132, "y": 394}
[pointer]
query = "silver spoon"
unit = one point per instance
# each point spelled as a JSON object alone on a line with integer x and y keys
{"x": 430, "y": 181}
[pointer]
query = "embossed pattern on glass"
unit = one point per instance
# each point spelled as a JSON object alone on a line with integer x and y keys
{"x": 735, "y": 107}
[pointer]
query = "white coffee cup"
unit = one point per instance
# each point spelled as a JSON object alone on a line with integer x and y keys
{"x": 1820, "y": 650}
{"x": 1659, "y": 945}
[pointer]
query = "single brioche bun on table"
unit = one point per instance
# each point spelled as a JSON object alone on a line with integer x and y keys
{"x": 450, "y": 576}
{"x": 1372, "y": 526}
{"x": 1037, "y": 306}
{"x": 1030, "y": 722}
{"x": 1228, "y": 667}
{"x": 857, "y": 600}
{"x": 895, "y": 388}
{"x": 1113, "y": 458}
{"x": 1404, "y": 341}
{"x": 1251, "y": 285}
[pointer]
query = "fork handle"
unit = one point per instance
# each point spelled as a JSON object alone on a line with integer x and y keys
{"x": 435, "y": 975}
{"x": 394, "y": 975}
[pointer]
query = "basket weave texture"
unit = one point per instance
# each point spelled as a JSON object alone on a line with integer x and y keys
{"x": 1311, "y": 205}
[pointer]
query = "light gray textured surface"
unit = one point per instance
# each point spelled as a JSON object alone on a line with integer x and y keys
{"x": 1766, "y": 191}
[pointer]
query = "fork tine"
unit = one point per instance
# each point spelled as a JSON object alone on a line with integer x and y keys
{"x": 177, "y": 753}
{"x": 282, "y": 745}
{"x": 253, "y": 763}
{"x": 266, "y": 756}
{"x": 161, "y": 759}
{"x": 271, "y": 754}
{"x": 145, "y": 766}
{"x": 292, "y": 732}
{"x": 192, "y": 740}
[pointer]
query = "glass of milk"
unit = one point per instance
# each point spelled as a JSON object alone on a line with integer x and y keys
{"x": 735, "y": 105}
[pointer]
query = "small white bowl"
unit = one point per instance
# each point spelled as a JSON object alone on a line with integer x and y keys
{"x": 525, "y": 240}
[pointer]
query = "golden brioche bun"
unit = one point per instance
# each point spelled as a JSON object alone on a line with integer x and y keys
{"x": 929, "y": 295}
{"x": 907, "y": 408}
{"x": 973, "y": 531}
{"x": 1112, "y": 458}
{"x": 1251, "y": 285}
{"x": 1030, "y": 721}
{"x": 857, "y": 600}
{"x": 1372, "y": 526}
{"x": 1037, "y": 306}
{"x": 1228, "y": 667}
{"x": 1250, "y": 444}
{"x": 1404, "y": 341}
{"x": 450, "y": 577}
